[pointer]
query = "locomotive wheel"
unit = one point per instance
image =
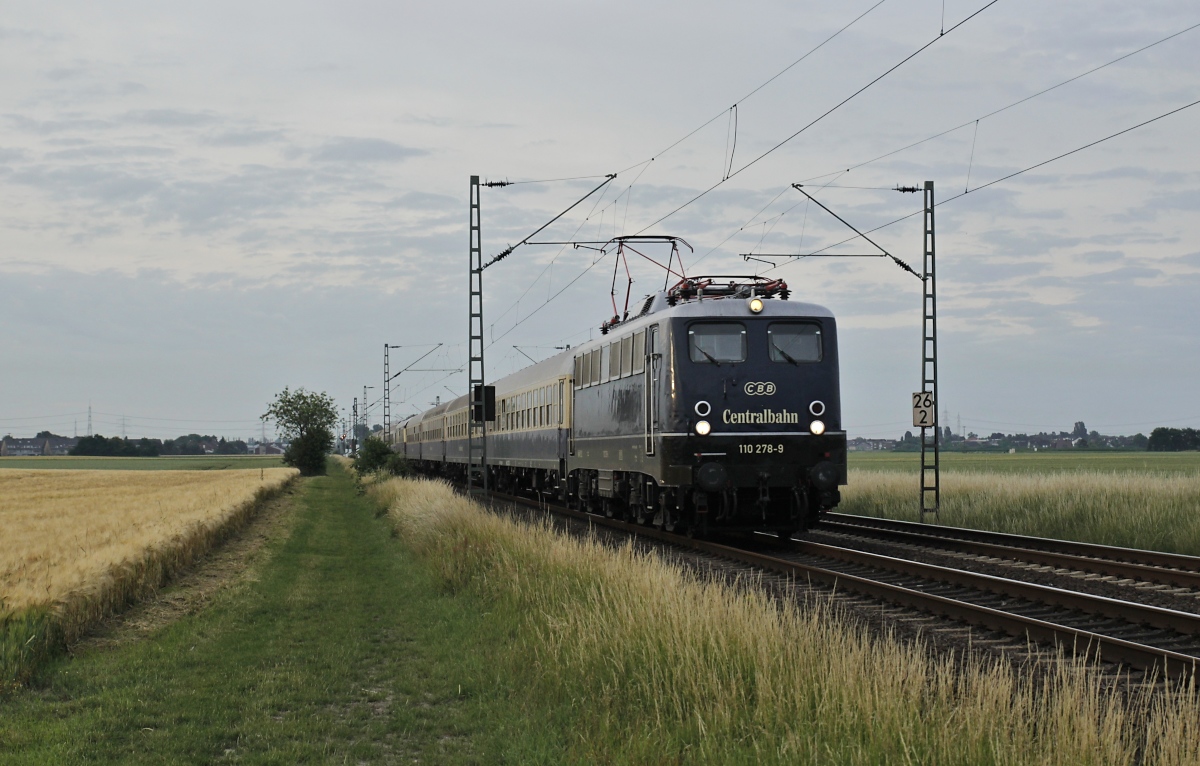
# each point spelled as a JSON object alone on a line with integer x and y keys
{"x": 643, "y": 518}
{"x": 670, "y": 521}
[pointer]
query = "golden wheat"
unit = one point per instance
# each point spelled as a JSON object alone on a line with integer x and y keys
{"x": 67, "y": 531}
{"x": 658, "y": 667}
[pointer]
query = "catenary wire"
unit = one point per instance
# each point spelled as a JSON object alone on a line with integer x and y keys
{"x": 1016, "y": 103}
{"x": 830, "y": 111}
{"x": 1007, "y": 177}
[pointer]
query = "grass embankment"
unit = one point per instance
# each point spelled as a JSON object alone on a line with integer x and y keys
{"x": 80, "y": 545}
{"x": 1139, "y": 500}
{"x": 641, "y": 664}
{"x": 164, "y": 463}
{"x": 336, "y": 646}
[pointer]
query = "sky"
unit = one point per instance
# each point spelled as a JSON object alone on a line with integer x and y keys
{"x": 202, "y": 204}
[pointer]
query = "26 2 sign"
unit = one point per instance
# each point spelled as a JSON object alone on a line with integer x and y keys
{"x": 923, "y": 409}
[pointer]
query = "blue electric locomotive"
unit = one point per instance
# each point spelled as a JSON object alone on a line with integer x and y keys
{"x": 717, "y": 406}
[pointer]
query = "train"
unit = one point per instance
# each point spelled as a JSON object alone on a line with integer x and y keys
{"x": 716, "y": 407}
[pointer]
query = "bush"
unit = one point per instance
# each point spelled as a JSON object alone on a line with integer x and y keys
{"x": 375, "y": 455}
{"x": 308, "y": 453}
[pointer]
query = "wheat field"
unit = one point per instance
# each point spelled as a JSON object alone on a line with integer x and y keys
{"x": 77, "y": 545}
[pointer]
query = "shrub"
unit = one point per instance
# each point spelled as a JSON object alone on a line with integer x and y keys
{"x": 375, "y": 455}
{"x": 308, "y": 453}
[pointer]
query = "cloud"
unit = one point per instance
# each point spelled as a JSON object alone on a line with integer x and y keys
{"x": 71, "y": 122}
{"x": 245, "y": 137}
{"x": 171, "y": 118}
{"x": 364, "y": 150}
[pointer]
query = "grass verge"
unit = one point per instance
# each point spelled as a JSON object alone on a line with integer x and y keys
{"x": 638, "y": 663}
{"x": 338, "y": 646}
{"x": 33, "y": 633}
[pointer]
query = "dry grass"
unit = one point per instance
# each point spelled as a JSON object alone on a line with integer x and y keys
{"x": 79, "y": 545}
{"x": 643, "y": 664}
{"x": 1157, "y": 511}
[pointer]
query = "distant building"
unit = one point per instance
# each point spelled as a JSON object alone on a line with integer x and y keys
{"x": 13, "y": 447}
{"x": 36, "y": 447}
{"x": 861, "y": 444}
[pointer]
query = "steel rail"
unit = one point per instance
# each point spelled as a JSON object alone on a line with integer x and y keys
{"x": 1178, "y": 577}
{"x": 1111, "y": 552}
{"x": 1141, "y": 614}
{"x": 1107, "y": 648}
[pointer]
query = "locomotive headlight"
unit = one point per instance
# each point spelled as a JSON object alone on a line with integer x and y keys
{"x": 755, "y": 305}
{"x": 703, "y": 428}
{"x": 817, "y": 427}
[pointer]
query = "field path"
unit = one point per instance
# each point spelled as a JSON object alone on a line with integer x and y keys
{"x": 334, "y": 647}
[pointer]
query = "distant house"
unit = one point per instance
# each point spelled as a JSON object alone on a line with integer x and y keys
{"x": 60, "y": 445}
{"x": 861, "y": 444}
{"x": 13, "y": 447}
{"x": 268, "y": 449}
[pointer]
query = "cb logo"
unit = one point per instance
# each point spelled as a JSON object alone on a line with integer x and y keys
{"x": 759, "y": 389}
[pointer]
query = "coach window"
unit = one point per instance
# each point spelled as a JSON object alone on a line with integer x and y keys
{"x": 639, "y": 352}
{"x": 717, "y": 342}
{"x": 794, "y": 342}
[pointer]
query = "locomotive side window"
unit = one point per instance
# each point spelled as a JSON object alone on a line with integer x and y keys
{"x": 626, "y": 355}
{"x": 595, "y": 366}
{"x": 639, "y": 352}
{"x": 717, "y": 342}
{"x": 794, "y": 342}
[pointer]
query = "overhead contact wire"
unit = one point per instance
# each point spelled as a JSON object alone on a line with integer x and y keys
{"x": 833, "y": 109}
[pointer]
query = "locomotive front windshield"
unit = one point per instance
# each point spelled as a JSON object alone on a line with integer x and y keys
{"x": 717, "y": 342}
{"x": 794, "y": 342}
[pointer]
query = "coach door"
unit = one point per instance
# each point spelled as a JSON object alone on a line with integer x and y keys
{"x": 653, "y": 361}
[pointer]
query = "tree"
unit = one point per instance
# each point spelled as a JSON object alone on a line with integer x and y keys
{"x": 237, "y": 447}
{"x": 1080, "y": 430}
{"x": 1173, "y": 439}
{"x": 306, "y": 419}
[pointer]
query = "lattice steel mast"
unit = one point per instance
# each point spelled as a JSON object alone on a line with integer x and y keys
{"x": 477, "y": 478}
{"x": 931, "y": 495}
{"x": 387, "y": 398}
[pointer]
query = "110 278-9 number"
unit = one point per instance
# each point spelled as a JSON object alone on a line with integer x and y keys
{"x": 760, "y": 449}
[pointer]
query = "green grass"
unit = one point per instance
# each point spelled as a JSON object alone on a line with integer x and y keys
{"x": 1044, "y": 461}
{"x": 165, "y": 463}
{"x": 1145, "y": 500}
{"x": 643, "y": 664}
{"x": 341, "y": 648}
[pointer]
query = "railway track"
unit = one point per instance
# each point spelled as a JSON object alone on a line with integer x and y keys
{"x": 1169, "y": 569}
{"x": 1150, "y": 638}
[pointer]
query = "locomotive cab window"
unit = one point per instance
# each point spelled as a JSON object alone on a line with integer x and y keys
{"x": 717, "y": 342}
{"x": 794, "y": 342}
